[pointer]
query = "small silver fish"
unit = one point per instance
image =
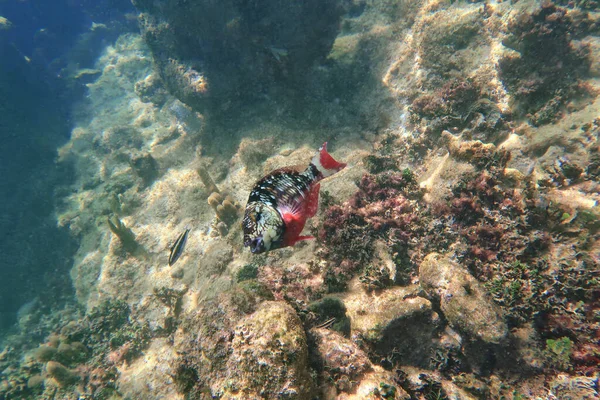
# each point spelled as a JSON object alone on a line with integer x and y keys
{"x": 178, "y": 246}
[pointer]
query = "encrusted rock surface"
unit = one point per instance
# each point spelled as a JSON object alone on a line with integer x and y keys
{"x": 269, "y": 356}
{"x": 209, "y": 52}
{"x": 463, "y": 300}
{"x": 395, "y": 319}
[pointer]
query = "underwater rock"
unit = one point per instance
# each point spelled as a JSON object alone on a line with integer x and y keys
{"x": 445, "y": 39}
{"x": 467, "y": 150}
{"x": 375, "y": 385}
{"x": 462, "y": 298}
{"x": 545, "y": 66}
{"x": 574, "y": 387}
{"x": 150, "y": 90}
{"x": 61, "y": 374}
{"x": 216, "y": 258}
{"x": 259, "y": 45}
{"x": 593, "y": 46}
{"x": 527, "y": 343}
{"x": 395, "y": 318}
{"x": 269, "y": 356}
{"x": 145, "y": 167}
{"x": 254, "y": 152}
{"x": 344, "y": 362}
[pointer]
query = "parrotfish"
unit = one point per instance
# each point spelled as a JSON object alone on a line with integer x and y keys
{"x": 281, "y": 202}
{"x": 178, "y": 246}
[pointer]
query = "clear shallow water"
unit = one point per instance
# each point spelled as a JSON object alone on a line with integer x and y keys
{"x": 455, "y": 256}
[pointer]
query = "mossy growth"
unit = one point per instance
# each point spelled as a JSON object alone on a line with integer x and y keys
{"x": 375, "y": 277}
{"x": 256, "y": 288}
{"x": 326, "y": 200}
{"x": 108, "y": 327}
{"x": 331, "y": 307}
{"x": 376, "y": 164}
{"x": 108, "y": 316}
{"x": 519, "y": 290}
{"x": 385, "y": 391}
{"x": 559, "y": 353}
{"x": 172, "y": 299}
{"x": 248, "y": 271}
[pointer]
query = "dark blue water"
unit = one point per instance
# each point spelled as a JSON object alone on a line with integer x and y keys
{"x": 36, "y": 97}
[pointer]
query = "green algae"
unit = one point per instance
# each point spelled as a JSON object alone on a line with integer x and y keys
{"x": 559, "y": 352}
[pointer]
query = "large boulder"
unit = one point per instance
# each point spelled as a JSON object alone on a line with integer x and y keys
{"x": 462, "y": 298}
{"x": 210, "y": 51}
{"x": 394, "y": 320}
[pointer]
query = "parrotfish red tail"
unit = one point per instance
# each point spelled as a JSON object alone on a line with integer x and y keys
{"x": 326, "y": 164}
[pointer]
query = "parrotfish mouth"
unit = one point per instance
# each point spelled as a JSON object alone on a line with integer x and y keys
{"x": 257, "y": 245}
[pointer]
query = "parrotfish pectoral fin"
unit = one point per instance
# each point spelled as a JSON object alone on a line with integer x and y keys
{"x": 312, "y": 204}
{"x": 326, "y": 164}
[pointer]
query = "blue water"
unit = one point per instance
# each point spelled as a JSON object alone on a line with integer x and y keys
{"x": 35, "y": 104}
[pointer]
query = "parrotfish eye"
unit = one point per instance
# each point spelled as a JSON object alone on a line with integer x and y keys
{"x": 257, "y": 245}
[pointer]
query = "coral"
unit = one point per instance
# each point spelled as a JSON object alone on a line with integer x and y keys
{"x": 44, "y": 353}
{"x": 225, "y": 207}
{"x": 207, "y": 180}
{"x": 125, "y": 234}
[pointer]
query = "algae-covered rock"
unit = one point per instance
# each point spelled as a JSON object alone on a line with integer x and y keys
{"x": 145, "y": 167}
{"x": 462, "y": 299}
{"x": 575, "y": 387}
{"x": 61, "y": 374}
{"x": 259, "y": 44}
{"x": 395, "y": 318}
{"x": 378, "y": 384}
{"x": 344, "y": 363}
{"x": 150, "y": 90}
{"x": 269, "y": 356}
{"x": 44, "y": 353}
